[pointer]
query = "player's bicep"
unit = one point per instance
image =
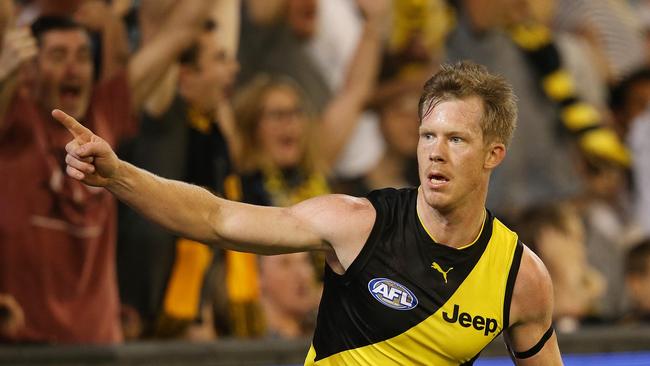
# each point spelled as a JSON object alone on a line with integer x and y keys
{"x": 264, "y": 230}
{"x": 343, "y": 222}
{"x": 321, "y": 223}
{"x": 531, "y": 338}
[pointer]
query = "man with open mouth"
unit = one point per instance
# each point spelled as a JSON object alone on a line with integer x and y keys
{"x": 416, "y": 276}
{"x": 57, "y": 236}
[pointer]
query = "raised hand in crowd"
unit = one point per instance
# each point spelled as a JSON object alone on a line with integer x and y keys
{"x": 18, "y": 46}
{"x": 97, "y": 16}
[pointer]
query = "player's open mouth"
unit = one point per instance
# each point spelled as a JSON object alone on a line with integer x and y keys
{"x": 437, "y": 178}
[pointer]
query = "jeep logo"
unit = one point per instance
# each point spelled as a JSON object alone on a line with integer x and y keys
{"x": 487, "y": 325}
{"x": 392, "y": 294}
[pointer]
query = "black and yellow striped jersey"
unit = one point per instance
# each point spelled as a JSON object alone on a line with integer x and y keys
{"x": 407, "y": 300}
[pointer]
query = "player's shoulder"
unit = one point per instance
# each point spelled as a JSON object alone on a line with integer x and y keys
{"x": 336, "y": 209}
{"x": 342, "y": 221}
{"x": 383, "y": 202}
{"x": 344, "y": 202}
{"x": 532, "y": 297}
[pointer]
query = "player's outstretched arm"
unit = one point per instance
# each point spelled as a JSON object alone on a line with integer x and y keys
{"x": 334, "y": 223}
{"x": 530, "y": 337}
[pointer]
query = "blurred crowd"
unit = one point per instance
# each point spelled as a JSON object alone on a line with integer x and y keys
{"x": 272, "y": 102}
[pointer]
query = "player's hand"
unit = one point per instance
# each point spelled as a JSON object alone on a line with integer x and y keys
{"x": 89, "y": 158}
{"x": 12, "y": 318}
{"x": 18, "y": 46}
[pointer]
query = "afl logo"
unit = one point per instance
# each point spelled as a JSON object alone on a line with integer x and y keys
{"x": 392, "y": 294}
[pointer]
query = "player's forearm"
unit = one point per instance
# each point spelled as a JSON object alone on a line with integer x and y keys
{"x": 183, "y": 208}
{"x": 193, "y": 212}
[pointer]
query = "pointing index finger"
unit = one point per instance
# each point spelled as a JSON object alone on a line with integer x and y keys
{"x": 78, "y": 131}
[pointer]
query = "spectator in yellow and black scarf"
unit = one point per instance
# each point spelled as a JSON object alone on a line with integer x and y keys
{"x": 540, "y": 166}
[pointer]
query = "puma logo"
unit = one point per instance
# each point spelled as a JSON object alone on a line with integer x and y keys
{"x": 437, "y": 267}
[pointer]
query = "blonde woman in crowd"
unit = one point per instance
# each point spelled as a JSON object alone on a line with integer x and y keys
{"x": 279, "y": 166}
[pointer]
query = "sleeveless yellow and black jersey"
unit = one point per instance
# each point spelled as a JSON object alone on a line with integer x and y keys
{"x": 407, "y": 300}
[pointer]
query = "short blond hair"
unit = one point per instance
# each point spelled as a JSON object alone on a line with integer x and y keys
{"x": 467, "y": 79}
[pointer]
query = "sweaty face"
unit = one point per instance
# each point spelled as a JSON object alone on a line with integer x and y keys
{"x": 64, "y": 72}
{"x": 282, "y": 128}
{"x": 288, "y": 283}
{"x": 452, "y": 155}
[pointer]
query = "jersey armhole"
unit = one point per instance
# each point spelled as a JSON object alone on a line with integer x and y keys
{"x": 364, "y": 255}
{"x": 510, "y": 284}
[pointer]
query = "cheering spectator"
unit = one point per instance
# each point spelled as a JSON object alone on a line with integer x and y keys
{"x": 58, "y": 241}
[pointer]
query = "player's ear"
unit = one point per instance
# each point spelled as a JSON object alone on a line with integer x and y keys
{"x": 495, "y": 153}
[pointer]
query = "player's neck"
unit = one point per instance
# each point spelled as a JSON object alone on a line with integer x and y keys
{"x": 455, "y": 228}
